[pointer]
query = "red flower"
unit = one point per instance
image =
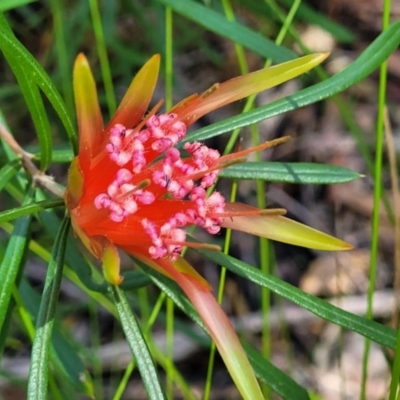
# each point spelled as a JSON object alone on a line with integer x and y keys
{"x": 131, "y": 188}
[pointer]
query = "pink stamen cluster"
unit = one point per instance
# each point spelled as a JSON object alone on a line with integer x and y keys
{"x": 134, "y": 151}
{"x": 121, "y": 198}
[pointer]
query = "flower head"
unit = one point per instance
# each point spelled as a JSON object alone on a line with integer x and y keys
{"x": 131, "y": 188}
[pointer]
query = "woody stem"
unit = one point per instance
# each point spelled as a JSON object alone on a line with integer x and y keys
{"x": 39, "y": 177}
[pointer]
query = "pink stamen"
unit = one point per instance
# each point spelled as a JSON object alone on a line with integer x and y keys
{"x": 167, "y": 130}
{"x": 134, "y": 151}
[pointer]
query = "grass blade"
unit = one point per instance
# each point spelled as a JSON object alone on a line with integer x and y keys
{"x": 39, "y": 370}
{"x": 13, "y": 259}
{"x": 137, "y": 345}
{"x": 301, "y": 173}
{"x": 28, "y": 209}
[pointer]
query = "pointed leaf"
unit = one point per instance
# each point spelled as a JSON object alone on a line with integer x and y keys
{"x": 66, "y": 360}
{"x": 138, "y": 345}
{"x": 13, "y": 258}
{"x": 138, "y": 96}
{"x": 248, "y": 84}
{"x": 111, "y": 264}
{"x": 90, "y": 120}
{"x": 39, "y": 370}
{"x": 75, "y": 185}
{"x": 301, "y": 173}
{"x": 36, "y": 108}
{"x": 282, "y": 229}
{"x": 28, "y": 209}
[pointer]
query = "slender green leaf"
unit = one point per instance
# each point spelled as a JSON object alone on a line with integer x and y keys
{"x": 284, "y": 386}
{"x": 8, "y": 172}
{"x": 4, "y": 331}
{"x": 60, "y": 156}
{"x": 138, "y": 345}
{"x": 31, "y": 95}
{"x": 366, "y": 63}
{"x": 68, "y": 362}
{"x": 28, "y": 209}
{"x": 20, "y": 56}
{"x": 35, "y": 105}
{"x": 303, "y": 173}
{"x": 39, "y": 370}
{"x": 376, "y": 332}
{"x": 13, "y": 258}
{"x": 217, "y": 23}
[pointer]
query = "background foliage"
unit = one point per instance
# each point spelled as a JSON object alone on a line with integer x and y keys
{"x": 64, "y": 336}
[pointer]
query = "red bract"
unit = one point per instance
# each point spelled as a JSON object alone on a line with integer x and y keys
{"x": 131, "y": 188}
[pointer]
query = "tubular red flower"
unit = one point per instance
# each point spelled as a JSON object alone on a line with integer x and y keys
{"x": 131, "y": 188}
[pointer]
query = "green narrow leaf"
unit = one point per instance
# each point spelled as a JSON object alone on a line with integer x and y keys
{"x": 28, "y": 209}
{"x": 36, "y": 108}
{"x": 217, "y": 23}
{"x": 31, "y": 95}
{"x": 6, "y": 325}
{"x": 304, "y": 173}
{"x": 60, "y": 156}
{"x": 264, "y": 370}
{"x": 16, "y": 51}
{"x": 8, "y": 172}
{"x": 376, "y": 332}
{"x": 138, "y": 345}
{"x": 39, "y": 370}
{"x": 67, "y": 360}
{"x": 366, "y": 63}
{"x": 13, "y": 258}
